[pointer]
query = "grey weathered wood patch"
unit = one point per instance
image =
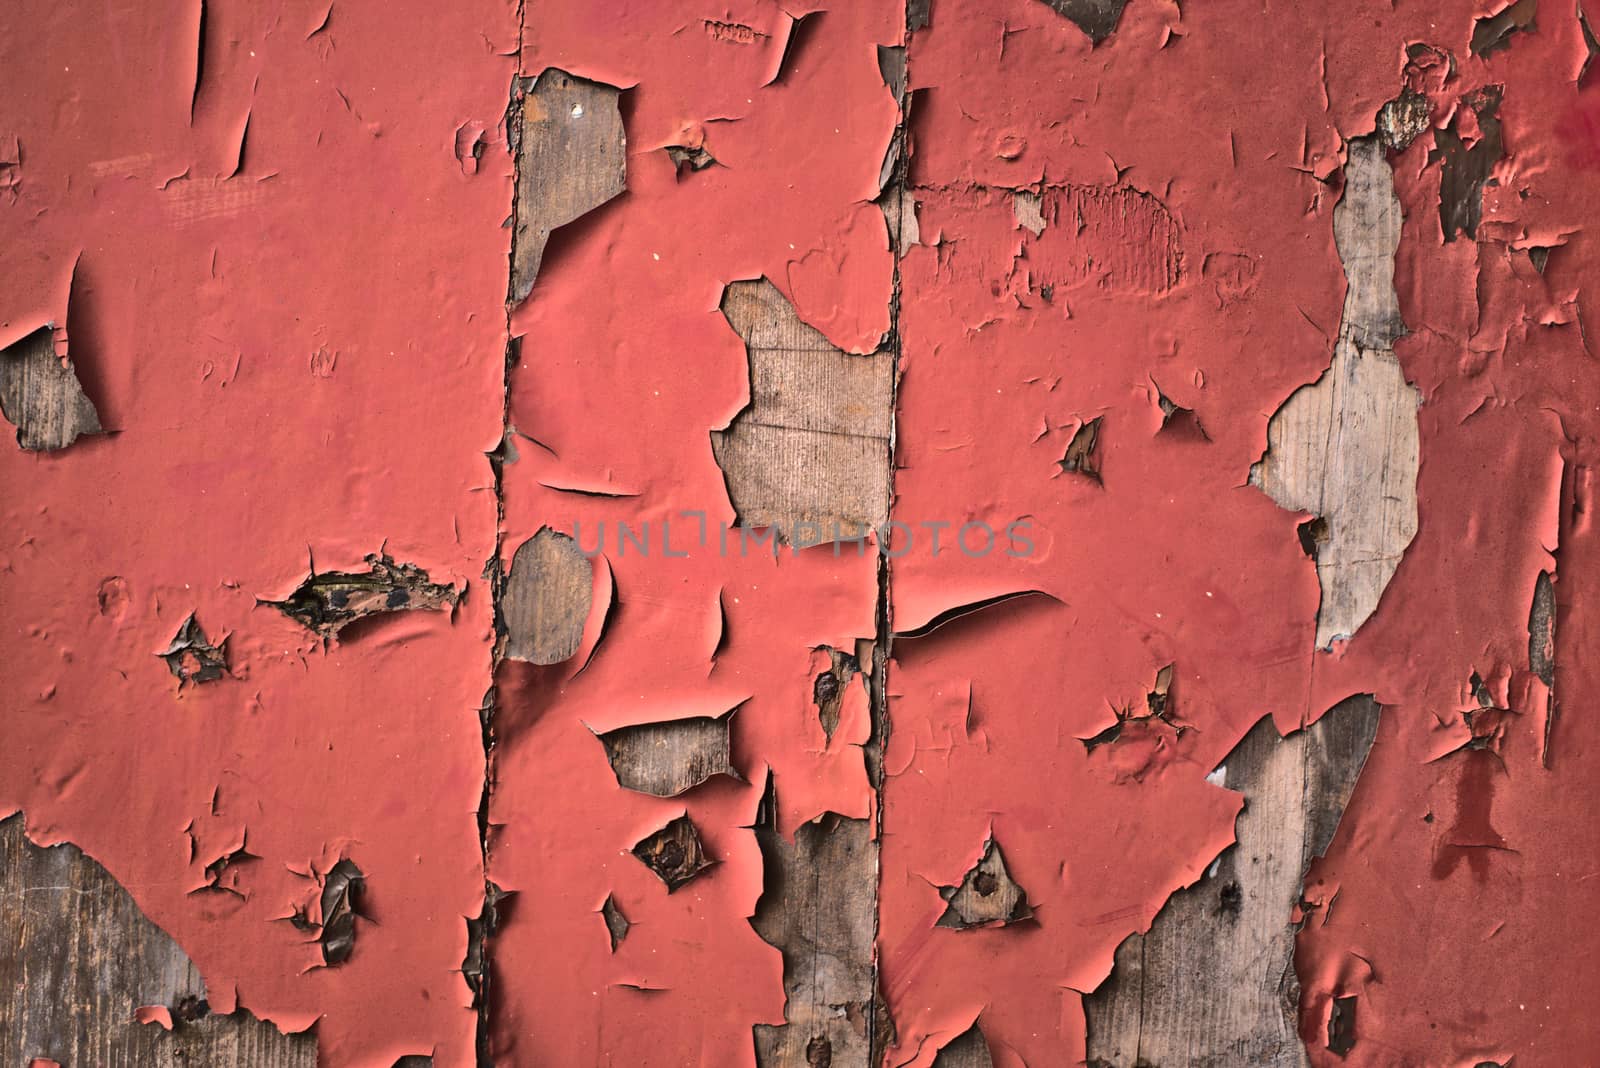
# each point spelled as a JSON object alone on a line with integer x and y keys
{"x": 571, "y": 153}
{"x": 812, "y": 447}
{"x": 78, "y": 958}
{"x": 1345, "y": 448}
{"x": 818, "y": 906}
{"x": 1212, "y": 984}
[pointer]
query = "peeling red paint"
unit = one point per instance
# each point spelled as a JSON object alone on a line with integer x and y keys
{"x": 159, "y": 1015}
{"x": 214, "y": 275}
{"x": 273, "y": 241}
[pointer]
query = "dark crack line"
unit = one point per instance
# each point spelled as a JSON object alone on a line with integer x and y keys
{"x": 877, "y": 1036}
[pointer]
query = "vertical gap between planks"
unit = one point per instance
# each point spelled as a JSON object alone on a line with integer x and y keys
{"x": 496, "y": 565}
{"x": 878, "y": 1036}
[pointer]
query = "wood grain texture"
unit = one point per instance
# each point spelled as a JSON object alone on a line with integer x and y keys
{"x": 670, "y": 757}
{"x": 899, "y": 207}
{"x": 812, "y": 447}
{"x": 1212, "y": 985}
{"x": 1344, "y": 449}
{"x": 1116, "y": 237}
{"x": 41, "y": 396}
{"x": 78, "y": 959}
{"x": 818, "y": 907}
{"x": 987, "y": 894}
{"x": 969, "y": 1049}
{"x": 546, "y": 599}
{"x": 571, "y": 153}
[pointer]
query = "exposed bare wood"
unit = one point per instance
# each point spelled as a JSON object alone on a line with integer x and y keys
{"x": 78, "y": 959}
{"x": 899, "y": 208}
{"x": 571, "y": 154}
{"x": 616, "y": 923}
{"x": 546, "y": 599}
{"x": 1025, "y": 205}
{"x": 828, "y": 688}
{"x": 969, "y": 1049}
{"x": 987, "y": 894}
{"x": 667, "y": 758}
{"x": 1345, "y": 448}
{"x": 819, "y": 911}
{"x": 329, "y": 601}
{"x": 1097, "y": 18}
{"x": 675, "y": 853}
{"x": 812, "y": 447}
{"x": 41, "y": 396}
{"x": 1212, "y": 985}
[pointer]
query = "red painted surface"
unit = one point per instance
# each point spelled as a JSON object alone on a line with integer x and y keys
{"x": 626, "y": 365}
{"x": 287, "y": 300}
{"x": 299, "y": 349}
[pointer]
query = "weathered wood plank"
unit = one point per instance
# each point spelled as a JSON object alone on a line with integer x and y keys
{"x": 78, "y": 959}
{"x": 571, "y": 153}
{"x": 822, "y": 916}
{"x": 1344, "y": 449}
{"x": 969, "y": 1049}
{"x": 1212, "y": 984}
{"x": 41, "y": 396}
{"x": 545, "y": 601}
{"x": 812, "y": 447}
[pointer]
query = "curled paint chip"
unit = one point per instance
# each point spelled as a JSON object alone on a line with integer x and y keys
{"x": 1591, "y": 47}
{"x": 951, "y": 615}
{"x": 1177, "y": 421}
{"x": 221, "y": 874}
{"x": 1158, "y": 706}
{"x": 1494, "y": 32}
{"x": 1082, "y": 456}
{"x": 475, "y": 963}
{"x": 154, "y": 1014}
{"x": 674, "y": 853}
{"x": 689, "y": 157}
